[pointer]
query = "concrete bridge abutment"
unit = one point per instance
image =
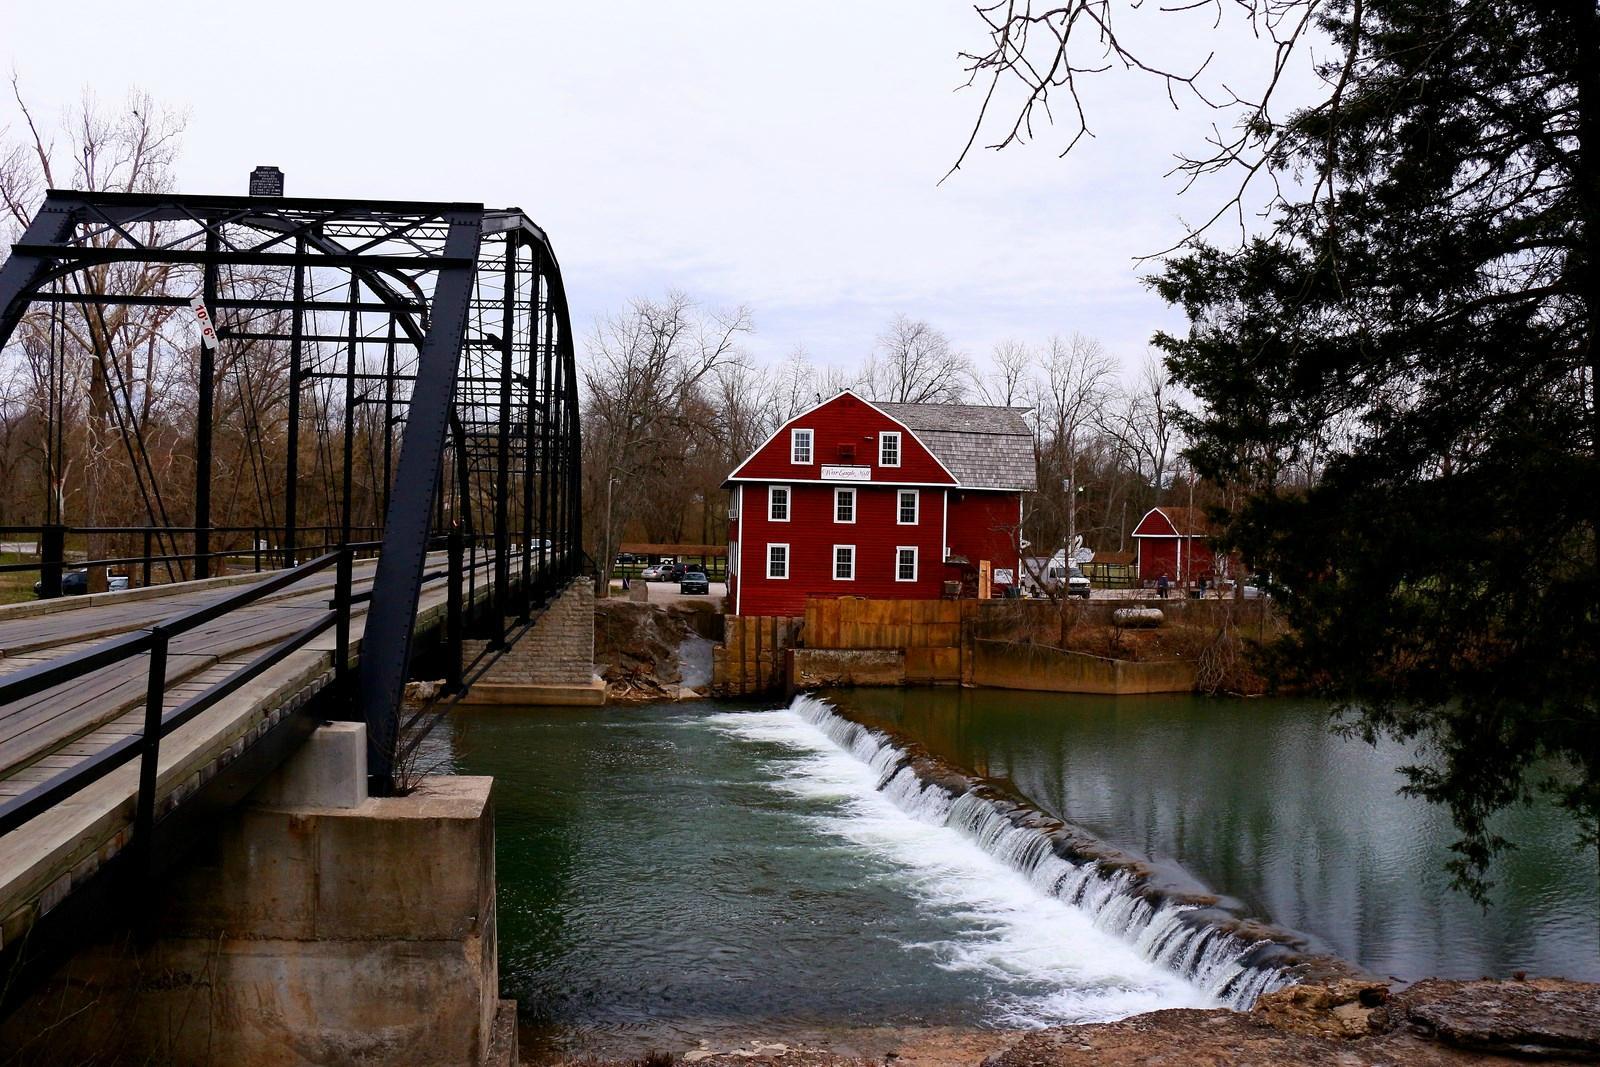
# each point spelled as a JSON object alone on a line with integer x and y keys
{"x": 324, "y": 927}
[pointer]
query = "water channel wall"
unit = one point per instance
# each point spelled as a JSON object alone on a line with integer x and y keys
{"x": 1003, "y": 643}
{"x": 324, "y": 926}
{"x": 1009, "y": 665}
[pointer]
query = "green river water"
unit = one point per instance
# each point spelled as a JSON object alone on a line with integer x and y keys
{"x": 692, "y": 873}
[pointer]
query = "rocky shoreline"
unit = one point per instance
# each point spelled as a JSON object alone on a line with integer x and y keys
{"x": 1344, "y": 1022}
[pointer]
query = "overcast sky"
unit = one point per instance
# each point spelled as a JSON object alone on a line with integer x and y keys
{"x": 782, "y": 156}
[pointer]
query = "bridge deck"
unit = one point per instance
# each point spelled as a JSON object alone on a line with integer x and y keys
{"x": 41, "y": 861}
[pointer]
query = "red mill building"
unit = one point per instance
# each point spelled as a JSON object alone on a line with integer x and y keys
{"x": 880, "y": 500}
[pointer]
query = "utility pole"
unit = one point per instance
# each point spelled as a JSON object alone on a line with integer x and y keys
{"x": 611, "y": 553}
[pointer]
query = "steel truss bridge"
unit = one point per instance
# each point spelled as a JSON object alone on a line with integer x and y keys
{"x": 430, "y": 439}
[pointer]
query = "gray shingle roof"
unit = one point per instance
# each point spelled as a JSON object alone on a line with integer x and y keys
{"x": 982, "y": 445}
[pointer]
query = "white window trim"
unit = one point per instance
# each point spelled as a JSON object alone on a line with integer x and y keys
{"x": 852, "y": 575}
{"x": 899, "y": 447}
{"x": 788, "y": 503}
{"x": 855, "y": 500}
{"x": 916, "y": 507}
{"x": 788, "y": 561}
{"x": 811, "y": 447}
{"x": 915, "y": 563}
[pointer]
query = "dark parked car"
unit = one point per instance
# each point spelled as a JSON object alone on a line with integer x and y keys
{"x": 674, "y": 572}
{"x": 694, "y": 583}
{"x": 76, "y": 583}
{"x": 626, "y": 558}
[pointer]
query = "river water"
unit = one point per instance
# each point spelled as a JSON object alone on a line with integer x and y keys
{"x": 676, "y": 875}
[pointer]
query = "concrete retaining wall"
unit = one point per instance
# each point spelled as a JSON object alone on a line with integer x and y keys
{"x": 1006, "y": 665}
{"x": 813, "y": 668}
{"x": 322, "y": 927}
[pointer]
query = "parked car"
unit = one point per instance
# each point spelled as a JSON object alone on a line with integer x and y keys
{"x": 673, "y": 572}
{"x": 1078, "y": 583}
{"x": 625, "y": 558}
{"x": 1067, "y": 580}
{"x": 76, "y": 583}
{"x": 652, "y": 573}
{"x": 694, "y": 583}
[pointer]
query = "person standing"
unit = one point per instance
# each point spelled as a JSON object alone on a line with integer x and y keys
{"x": 1161, "y": 585}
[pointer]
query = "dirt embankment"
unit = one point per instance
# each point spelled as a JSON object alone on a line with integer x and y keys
{"x": 652, "y": 652}
{"x": 1435, "y": 1023}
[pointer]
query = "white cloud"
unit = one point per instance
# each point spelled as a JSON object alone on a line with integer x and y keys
{"x": 785, "y": 158}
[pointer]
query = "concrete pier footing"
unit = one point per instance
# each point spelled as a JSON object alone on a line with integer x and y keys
{"x": 325, "y": 927}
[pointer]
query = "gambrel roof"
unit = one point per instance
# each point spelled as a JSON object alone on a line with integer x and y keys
{"x": 983, "y": 446}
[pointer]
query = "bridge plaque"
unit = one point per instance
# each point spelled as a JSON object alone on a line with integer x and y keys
{"x": 266, "y": 181}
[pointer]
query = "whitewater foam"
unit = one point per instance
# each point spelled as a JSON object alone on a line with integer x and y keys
{"x": 1100, "y": 947}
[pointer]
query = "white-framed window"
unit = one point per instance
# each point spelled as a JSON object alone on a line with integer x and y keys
{"x": 905, "y": 563}
{"x": 844, "y": 563}
{"x": 844, "y": 505}
{"x": 777, "y": 503}
{"x": 889, "y": 448}
{"x": 777, "y": 561}
{"x": 800, "y": 446}
{"x": 907, "y": 507}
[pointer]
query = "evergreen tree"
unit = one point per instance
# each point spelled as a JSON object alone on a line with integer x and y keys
{"x": 1416, "y": 332}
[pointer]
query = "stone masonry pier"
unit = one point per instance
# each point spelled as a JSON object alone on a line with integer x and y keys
{"x": 552, "y": 663}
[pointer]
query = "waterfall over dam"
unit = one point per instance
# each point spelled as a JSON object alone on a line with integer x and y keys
{"x": 1230, "y": 960}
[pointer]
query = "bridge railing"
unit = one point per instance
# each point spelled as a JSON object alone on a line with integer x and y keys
{"x": 159, "y": 723}
{"x": 263, "y": 551}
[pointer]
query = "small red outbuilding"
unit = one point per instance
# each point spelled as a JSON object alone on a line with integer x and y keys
{"x": 1174, "y": 542}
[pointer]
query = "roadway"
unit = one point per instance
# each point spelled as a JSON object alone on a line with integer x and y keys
{"x": 41, "y": 736}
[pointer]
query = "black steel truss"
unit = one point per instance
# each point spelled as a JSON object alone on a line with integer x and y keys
{"x": 450, "y": 318}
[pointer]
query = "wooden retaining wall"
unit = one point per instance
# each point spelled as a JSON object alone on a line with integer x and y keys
{"x": 751, "y": 657}
{"x": 948, "y": 642}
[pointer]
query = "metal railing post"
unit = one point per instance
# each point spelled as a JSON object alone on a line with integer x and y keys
{"x": 144, "y": 576}
{"x": 255, "y": 545}
{"x": 454, "y": 621}
{"x": 341, "y": 627}
{"x": 144, "y": 819}
{"x": 52, "y": 551}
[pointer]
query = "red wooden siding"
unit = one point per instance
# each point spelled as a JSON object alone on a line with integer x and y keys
{"x": 811, "y": 535}
{"x": 983, "y": 525}
{"x": 1158, "y": 555}
{"x": 847, "y": 421}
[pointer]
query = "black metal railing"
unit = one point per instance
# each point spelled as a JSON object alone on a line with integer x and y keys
{"x": 263, "y": 551}
{"x": 466, "y": 556}
{"x": 159, "y": 723}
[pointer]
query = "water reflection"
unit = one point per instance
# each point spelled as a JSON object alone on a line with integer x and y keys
{"x": 1257, "y": 799}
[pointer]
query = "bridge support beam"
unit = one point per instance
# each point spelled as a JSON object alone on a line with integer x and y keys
{"x": 387, "y": 643}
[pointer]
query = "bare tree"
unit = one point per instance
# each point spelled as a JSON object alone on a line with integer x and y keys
{"x": 112, "y": 353}
{"x": 1140, "y": 423}
{"x": 1039, "y": 50}
{"x": 648, "y": 371}
{"x": 1074, "y": 379}
{"x": 1007, "y": 383}
{"x": 913, "y": 363}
